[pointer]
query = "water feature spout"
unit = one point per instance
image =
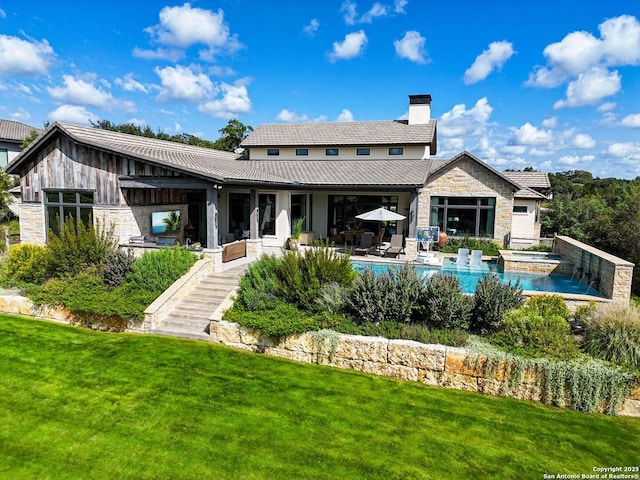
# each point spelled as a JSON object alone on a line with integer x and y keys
{"x": 577, "y": 273}
{"x": 585, "y": 278}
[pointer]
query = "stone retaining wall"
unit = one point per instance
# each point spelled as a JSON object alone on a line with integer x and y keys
{"x": 436, "y": 365}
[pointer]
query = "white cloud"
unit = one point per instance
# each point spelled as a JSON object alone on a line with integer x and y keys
{"x": 3, "y": 14}
{"x": 220, "y": 71}
{"x": 606, "y": 107}
{"x": 289, "y": 116}
{"x": 579, "y": 52}
{"x": 130, "y": 84}
{"x": 79, "y": 91}
{"x": 23, "y": 88}
{"x": 489, "y": 60}
{"x": 348, "y": 8}
{"x": 183, "y": 26}
{"x": 234, "y": 102}
{"x": 550, "y": 122}
{"x": 312, "y": 27}
{"x": 621, "y": 40}
{"x": 529, "y": 135}
{"x": 582, "y": 140}
{"x": 351, "y": 46}
{"x": 182, "y": 83}
{"x": 459, "y": 121}
{"x": 72, "y": 114}
{"x": 399, "y": 5}
{"x": 625, "y": 150}
{"x": 632, "y": 121}
{"x": 345, "y": 116}
{"x": 377, "y": 10}
{"x": 171, "y": 54}
{"x": 138, "y": 122}
{"x": 20, "y": 115}
{"x": 590, "y": 87}
{"x": 411, "y": 46}
{"x": 21, "y": 57}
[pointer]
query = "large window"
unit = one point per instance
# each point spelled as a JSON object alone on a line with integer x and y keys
{"x": 464, "y": 216}
{"x": 4, "y": 157}
{"x": 299, "y": 210}
{"x": 344, "y": 208}
{"x": 62, "y": 205}
{"x": 240, "y": 214}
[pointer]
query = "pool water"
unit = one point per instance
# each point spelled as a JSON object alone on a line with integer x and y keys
{"x": 469, "y": 277}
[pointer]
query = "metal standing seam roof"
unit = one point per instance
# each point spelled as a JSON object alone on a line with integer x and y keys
{"x": 12, "y": 131}
{"x": 389, "y": 132}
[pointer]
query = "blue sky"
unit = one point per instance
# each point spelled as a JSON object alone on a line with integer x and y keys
{"x": 552, "y": 84}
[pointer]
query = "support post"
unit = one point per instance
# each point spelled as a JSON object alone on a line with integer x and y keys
{"x": 212, "y": 216}
{"x": 254, "y": 215}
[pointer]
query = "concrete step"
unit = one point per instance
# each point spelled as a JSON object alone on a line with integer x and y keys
{"x": 186, "y": 334}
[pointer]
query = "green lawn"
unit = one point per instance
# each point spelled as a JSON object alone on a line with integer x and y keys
{"x": 76, "y": 403}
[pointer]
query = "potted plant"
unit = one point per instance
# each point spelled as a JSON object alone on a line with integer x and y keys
{"x": 296, "y": 230}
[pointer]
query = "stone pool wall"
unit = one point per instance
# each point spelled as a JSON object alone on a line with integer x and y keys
{"x": 534, "y": 262}
{"x": 614, "y": 274}
{"x": 436, "y": 365}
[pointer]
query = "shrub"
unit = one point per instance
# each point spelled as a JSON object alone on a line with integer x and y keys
{"x": 156, "y": 271}
{"x": 491, "y": 300}
{"x": 390, "y": 296}
{"x": 279, "y": 320}
{"x": 78, "y": 247}
{"x": 423, "y": 334}
{"x": 87, "y": 294}
{"x": 612, "y": 333}
{"x": 547, "y": 305}
{"x": 527, "y": 332}
{"x": 259, "y": 288}
{"x": 26, "y": 263}
{"x": 303, "y": 274}
{"x": 331, "y": 298}
{"x": 442, "y": 304}
{"x": 488, "y": 247}
{"x": 117, "y": 264}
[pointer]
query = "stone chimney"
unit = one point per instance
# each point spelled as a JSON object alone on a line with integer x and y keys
{"x": 419, "y": 109}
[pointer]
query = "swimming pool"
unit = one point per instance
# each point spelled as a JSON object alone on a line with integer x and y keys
{"x": 469, "y": 277}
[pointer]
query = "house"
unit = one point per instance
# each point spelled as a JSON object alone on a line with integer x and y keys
{"x": 323, "y": 173}
{"x": 11, "y": 136}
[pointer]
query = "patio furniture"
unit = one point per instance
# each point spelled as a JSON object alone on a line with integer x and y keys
{"x": 336, "y": 237}
{"x": 366, "y": 244}
{"x": 234, "y": 250}
{"x": 396, "y": 245}
{"x": 377, "y": 240}
{"x": 463, "y": 256}
{"x": 349, "y": 238}
{"x": 476, "y": 258}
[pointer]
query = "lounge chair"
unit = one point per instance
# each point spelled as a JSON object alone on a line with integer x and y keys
{"x": 463, "y": 257}
{"x": 396, "y": 245}
{"x": 377, "y": 239}
{"x": 336, "y": 237}
{"x": 366, "y": 244}
{"x": 476, "y": 258}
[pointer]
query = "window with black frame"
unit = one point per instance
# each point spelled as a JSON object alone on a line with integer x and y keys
{"x": 343, "y": 210}
{"x": 62, "y": 205}
{"x": 464, "y": 216}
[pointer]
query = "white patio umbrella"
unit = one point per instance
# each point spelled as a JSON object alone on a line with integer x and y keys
{"x": 380, "y": 215}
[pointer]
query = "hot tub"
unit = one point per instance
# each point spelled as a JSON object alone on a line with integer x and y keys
{"x": 534, "y": 262}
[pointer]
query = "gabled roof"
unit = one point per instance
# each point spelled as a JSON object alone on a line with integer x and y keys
{"x": 389, "y": 132}
{"x": 15, "y": 132}
{"x": 202, "y": 162}
{"x": 438, "y": 164}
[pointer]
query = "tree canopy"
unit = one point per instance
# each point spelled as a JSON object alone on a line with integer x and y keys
{"x": 232, "y": 134}
{"x": 603, "y": 212}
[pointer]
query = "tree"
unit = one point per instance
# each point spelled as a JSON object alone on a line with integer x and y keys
{"x": 233, "y": 135}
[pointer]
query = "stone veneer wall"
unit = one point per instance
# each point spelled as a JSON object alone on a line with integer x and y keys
{"x": 436, "y": 365}
{"x": 615, "y": 274}
{"x": 134, "y": 221}
{"x": 467, "y": 178}
{"x": 32, "y": 224}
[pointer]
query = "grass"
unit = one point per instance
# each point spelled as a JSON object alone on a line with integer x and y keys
{"x": 77, "y": 403}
